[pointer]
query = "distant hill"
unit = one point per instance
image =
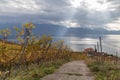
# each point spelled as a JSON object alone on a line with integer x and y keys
{"x": 90, "y": 31}
{"x": 49, "y": 29}
{"x": 56, "y": 30}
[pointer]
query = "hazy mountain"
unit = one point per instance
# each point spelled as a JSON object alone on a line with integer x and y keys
{"x": 91, "y": 31}
{"x": 50, "y": 29}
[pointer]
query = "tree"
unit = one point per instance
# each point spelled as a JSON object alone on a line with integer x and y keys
{"x": 26, "y": 33}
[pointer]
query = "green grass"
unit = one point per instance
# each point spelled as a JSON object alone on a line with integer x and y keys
{"x": 105, "y": 71}
{"x": 36, "y": 72}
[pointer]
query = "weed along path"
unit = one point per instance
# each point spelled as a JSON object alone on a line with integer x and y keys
{"x": 75, "y": 70}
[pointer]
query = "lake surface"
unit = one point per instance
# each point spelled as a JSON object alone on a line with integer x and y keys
{"x": 110, "y": 43}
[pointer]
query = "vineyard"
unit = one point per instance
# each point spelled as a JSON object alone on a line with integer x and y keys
{"x": 29, "y": 49}
{"x": 38, "y": 56}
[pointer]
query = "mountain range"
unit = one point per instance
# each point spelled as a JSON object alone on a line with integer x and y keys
{"x": 50, "y": 29}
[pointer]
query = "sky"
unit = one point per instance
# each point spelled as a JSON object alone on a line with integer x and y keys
{"x": 69, "y": 13}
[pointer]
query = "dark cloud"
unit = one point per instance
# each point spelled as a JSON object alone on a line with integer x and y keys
{"x": 93, "y": 14}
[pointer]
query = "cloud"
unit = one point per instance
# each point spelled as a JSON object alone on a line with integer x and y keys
{"x": 69, "y": 13}
{"x": 69, "y": 23}
{"x": 18, "y": 6}
{"x": 115, "y": 25}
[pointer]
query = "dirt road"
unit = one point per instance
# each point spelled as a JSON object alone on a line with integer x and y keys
{"x": 75, "y": 70}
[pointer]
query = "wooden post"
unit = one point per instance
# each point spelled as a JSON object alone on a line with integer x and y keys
{"x": 101, "y": 56}
{"x": 116, "y": 57}
{"x": 97, "y": 47}
{"x": 100, "y": 44}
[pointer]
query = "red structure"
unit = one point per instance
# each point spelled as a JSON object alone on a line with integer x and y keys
{"x": 88, "y": 50}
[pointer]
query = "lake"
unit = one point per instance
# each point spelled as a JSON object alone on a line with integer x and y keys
{"x": 110, "y": 42}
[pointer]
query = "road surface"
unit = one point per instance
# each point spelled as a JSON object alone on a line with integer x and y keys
{"x": 75, "y": 70}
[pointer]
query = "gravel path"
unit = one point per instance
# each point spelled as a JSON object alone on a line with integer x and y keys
{"x": 75, "y": 70}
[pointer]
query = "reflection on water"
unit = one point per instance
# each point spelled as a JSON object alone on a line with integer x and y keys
{"x": 111, "y": 43}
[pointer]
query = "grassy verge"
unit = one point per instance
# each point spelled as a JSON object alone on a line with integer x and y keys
{"x": 36, "y": 72}
{"x": 104, "y": 70}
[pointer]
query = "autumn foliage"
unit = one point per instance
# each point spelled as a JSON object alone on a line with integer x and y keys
{"x": 30, "y": 49}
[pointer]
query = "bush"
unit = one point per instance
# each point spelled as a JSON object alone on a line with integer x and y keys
{"x": 94, "y": 68}
{"x": 49, "y": 70}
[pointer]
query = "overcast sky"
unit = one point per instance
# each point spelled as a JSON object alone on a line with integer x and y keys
{"x": 69, "y": 13}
